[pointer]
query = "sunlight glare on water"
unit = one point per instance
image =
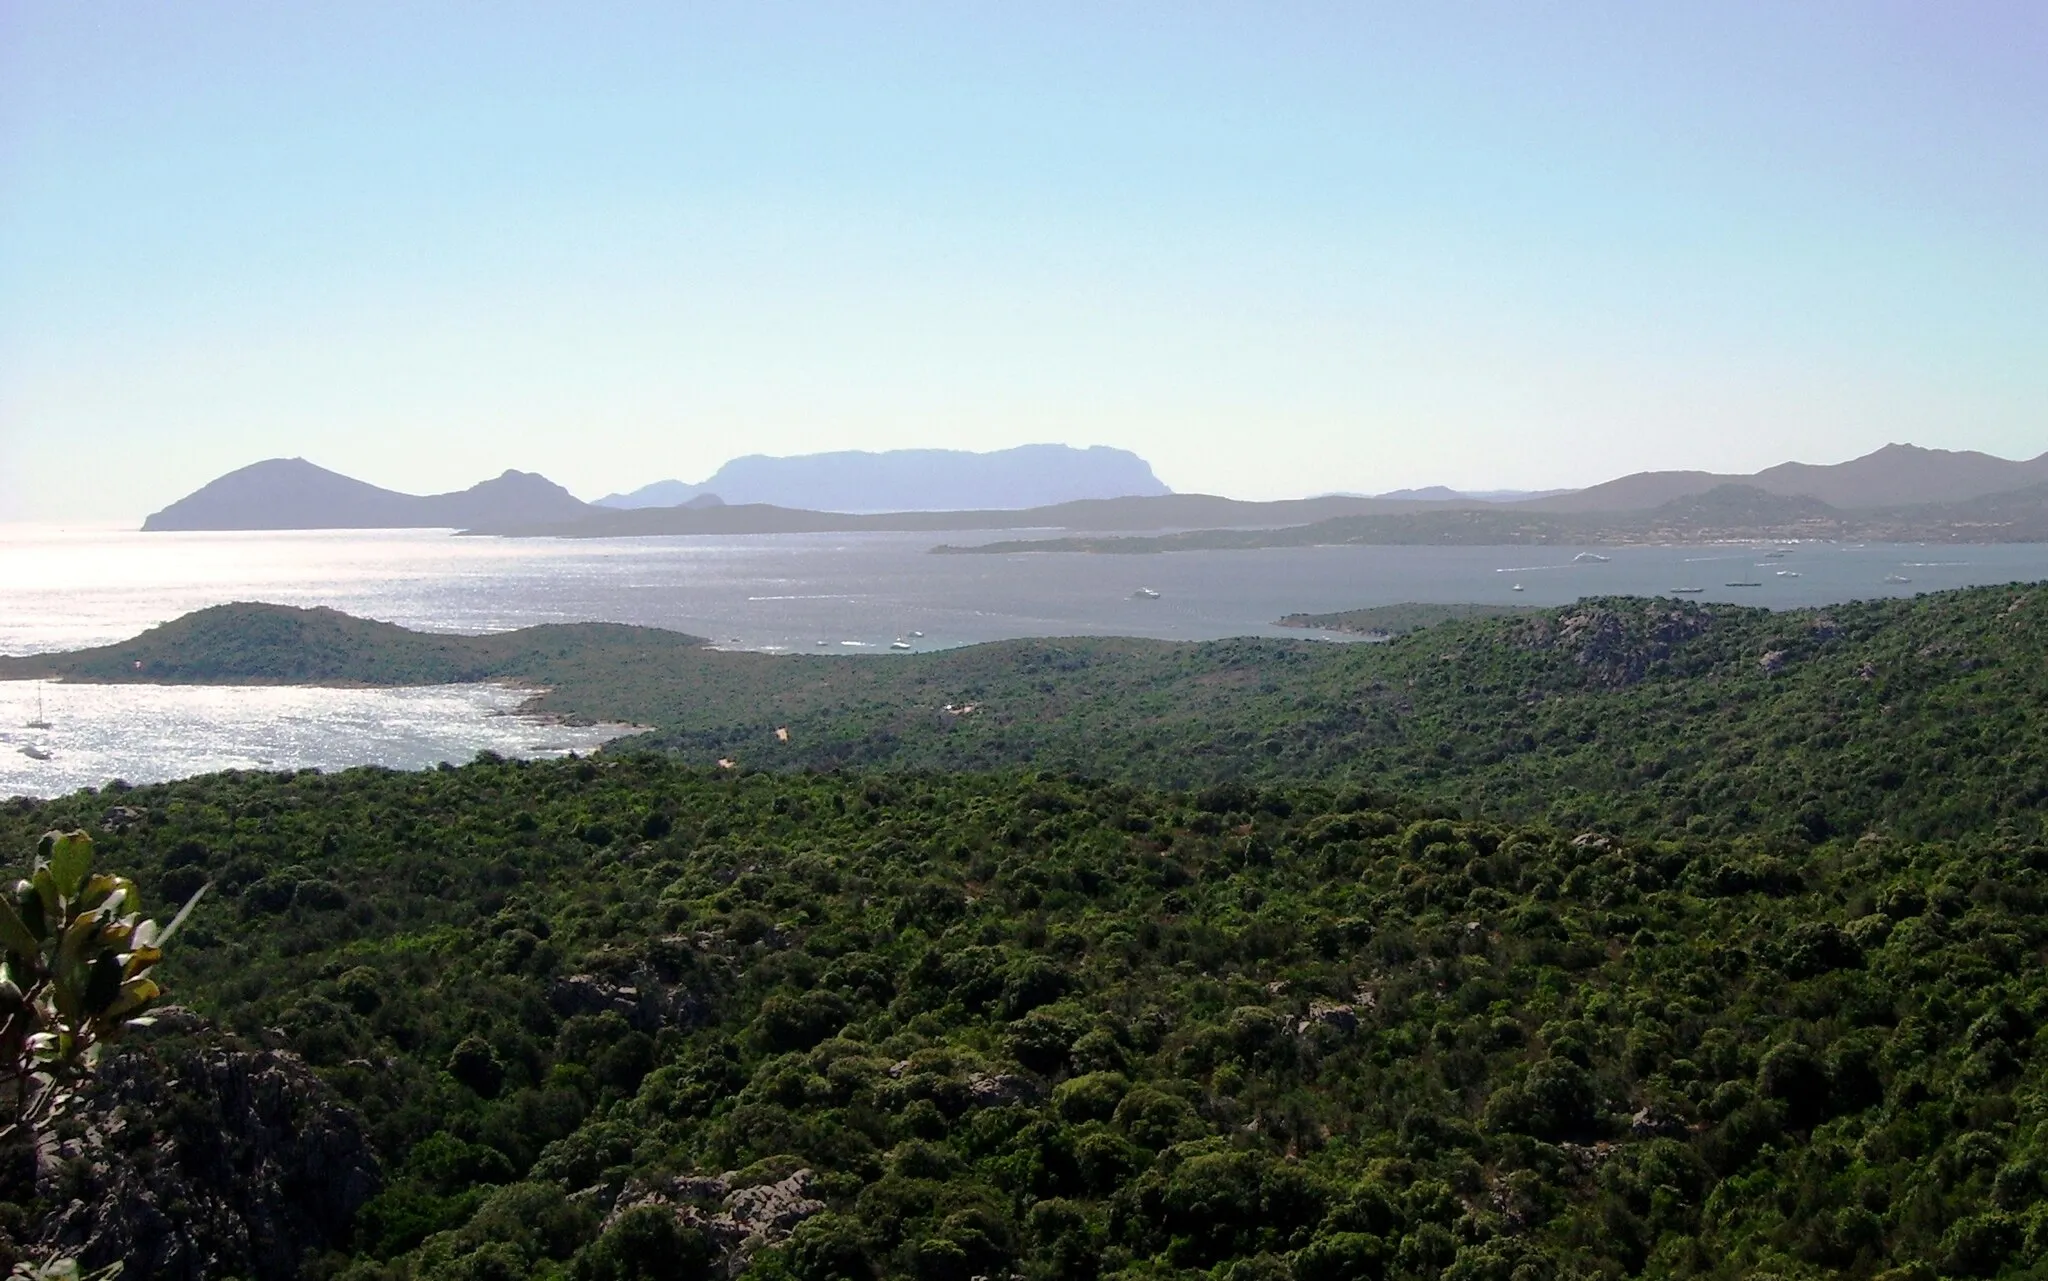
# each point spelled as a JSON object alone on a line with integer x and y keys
{"x": 61, "y": 589}
{"x": 150, "y": 733}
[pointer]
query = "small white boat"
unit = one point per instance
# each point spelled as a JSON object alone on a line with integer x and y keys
{"x": 34, "y": 753}
{"x": 899, "y": 643}
{"x": 1897, "y": 578}
{"x": 1517, "y": 587}
{"x": 1788, "y": 573}
{"x": 1687, "y": 591}
{"x": 1144, "y": 593}
{"x": 824, "y": 642}
{"x": 39, "y": 722}
{"x": 917, "y": 636}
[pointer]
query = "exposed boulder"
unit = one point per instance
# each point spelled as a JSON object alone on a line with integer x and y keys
{"x": 647, "y": 1004}
{"x": 993, "y": 1089}
{"x": 771, "y": 1211}
{"x": 1616, "y": 647}
{"x": 1342, "y": 1019}
{"x": 119, "y": 818}
{"x": 735, "y": 1222}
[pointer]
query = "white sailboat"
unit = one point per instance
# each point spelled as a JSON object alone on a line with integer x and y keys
{"x": 39, "y": 722}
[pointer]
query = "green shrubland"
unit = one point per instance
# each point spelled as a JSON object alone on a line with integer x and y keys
{"x": 1044, "y": 1024}
{"x": 1920, "y": 717}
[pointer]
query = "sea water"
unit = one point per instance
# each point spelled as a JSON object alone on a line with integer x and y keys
{"x": 151, "y": 733}
{"x": 62, "y": 589}
{"x": 841, "y": 594}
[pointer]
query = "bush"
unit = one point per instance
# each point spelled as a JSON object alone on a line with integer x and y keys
{"x": 829, "y": 1247}
{"x": 475, "y": 1063}
{"x": 647, "y": 1243}
{"x": 1341, "y": 1256}
{"x": 1093, "y": 1097}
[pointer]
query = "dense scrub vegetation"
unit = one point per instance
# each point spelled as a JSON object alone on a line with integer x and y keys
{"x": 1923, "y": 716}
{"x": 1042, "y": 1025}
{"x": 1649, "y": 716}
{"x": 1394, "y": 620}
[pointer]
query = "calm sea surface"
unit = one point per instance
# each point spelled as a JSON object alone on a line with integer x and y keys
{"x": 829, "y": 593}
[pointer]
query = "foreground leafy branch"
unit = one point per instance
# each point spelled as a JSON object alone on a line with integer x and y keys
{"x": 77, "y": 974}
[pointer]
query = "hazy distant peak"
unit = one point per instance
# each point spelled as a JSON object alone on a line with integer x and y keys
{"x": 1427, "y": 494}
{"x": 1445, "y": 494}
{"x": 291, "y": 493}
{"x": 858, "y": 480}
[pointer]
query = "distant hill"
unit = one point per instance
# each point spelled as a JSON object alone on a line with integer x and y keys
{"x": 914, "y": 480}
{"x": 250, "y": 643}
{"x": 1102, "y": 515}
{"x": 1724, "y": 512}
{"x": 1895, "y": 476}
{"x": 1445, "y": 494}
{"x": 1739, "y": 505}
{"x": 291, "y": 493}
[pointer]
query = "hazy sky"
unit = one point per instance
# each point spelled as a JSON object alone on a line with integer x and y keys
{"x": 1276, "y": 248}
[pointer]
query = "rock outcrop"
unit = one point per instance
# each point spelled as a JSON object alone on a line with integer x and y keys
{"x": 205, "y": 1162}
{"x": 1614, "y": 648}
{"x": 736, "y": 1222}
{"x": 647, "y": 1004}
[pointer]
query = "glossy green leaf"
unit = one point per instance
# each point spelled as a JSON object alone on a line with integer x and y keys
{"x": 70, "y": 860}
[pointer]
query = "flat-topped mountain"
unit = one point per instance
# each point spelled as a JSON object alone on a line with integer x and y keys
{"x": 915, "y": 480}
{"x": 291, "y": 493}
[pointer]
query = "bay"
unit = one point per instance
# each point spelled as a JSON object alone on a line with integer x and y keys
{"x": 65, "y": 588}
{"x": 839, "y": 594}
{"x": 153, "y": 733}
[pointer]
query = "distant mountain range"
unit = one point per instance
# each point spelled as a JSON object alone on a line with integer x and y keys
{"x": 903, "y": 480}
{"x": 1725, "y": 513}
{"x": 907, "y": 489}
{"x": 1163, "y": 511}
{"x": 1895, "y": 476}
{"x": 291, "y": 493}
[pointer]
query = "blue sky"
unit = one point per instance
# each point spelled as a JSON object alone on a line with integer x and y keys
{"x": 1276, "y": 248}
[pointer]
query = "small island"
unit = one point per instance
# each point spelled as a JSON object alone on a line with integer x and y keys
{"x": 1385, "y": 621}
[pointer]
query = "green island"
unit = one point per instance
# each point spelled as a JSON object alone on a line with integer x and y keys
{"x": 1396, "y": 620}
{"x": 1628, "y": 938}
